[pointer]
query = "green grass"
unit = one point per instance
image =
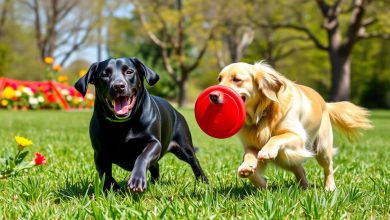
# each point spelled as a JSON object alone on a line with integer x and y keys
{"x": 67, "y": 188}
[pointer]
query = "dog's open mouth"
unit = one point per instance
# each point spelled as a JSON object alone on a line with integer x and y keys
{"x": 122, "y": 105}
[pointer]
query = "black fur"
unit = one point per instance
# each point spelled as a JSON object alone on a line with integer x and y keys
{"x": 138, "y": 139}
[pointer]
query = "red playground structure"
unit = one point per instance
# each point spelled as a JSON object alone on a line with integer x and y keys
{"x": 18, "y": 94}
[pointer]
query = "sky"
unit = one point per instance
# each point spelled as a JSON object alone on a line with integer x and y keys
{"x": 89, "y": 54}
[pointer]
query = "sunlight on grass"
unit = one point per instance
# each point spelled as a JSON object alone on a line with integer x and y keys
{"x": 68, "y": 188}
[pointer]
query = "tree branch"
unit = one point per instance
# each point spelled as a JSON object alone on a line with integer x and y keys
{"x": 246, "y": 39}
{"x": 202, "y": 51}
{"x": 305, "y": 30}
{"x": 168, "y": 64}
{"x": 369, "y": 21}
{"x": 323, "y": 7}
{"x": 38, "y": 29}
{"x": 150, "y": 34}
{"x": 3, "y": 15}
{"x": 220, "y": 60}
{"x": 281, "y": 55}
{"x": 65, "y": 10}
{"x": 291, "y": 38}
{"x": 165, "y": 27}
{"x": 76, "y": 45}
{"x": 384, "y": 36}
{"x": 355, "y": 23}
{"x": 336, "y": 7}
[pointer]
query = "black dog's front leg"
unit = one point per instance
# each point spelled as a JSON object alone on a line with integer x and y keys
{"x": 104, "y": 167}
{"x": 150, "y": 155}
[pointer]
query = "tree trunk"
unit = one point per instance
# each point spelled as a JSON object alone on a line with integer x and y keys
{"x": 183, "y": 86}
{"x": 341, "y": 77}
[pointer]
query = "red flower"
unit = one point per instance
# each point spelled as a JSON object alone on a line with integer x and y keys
{"x": 13, "y": 85}
{"x": 72, "y": 92}
{"x": 51, "y": 98}
{"x": 39, "y": 159}
{"x": 34, "y": 89}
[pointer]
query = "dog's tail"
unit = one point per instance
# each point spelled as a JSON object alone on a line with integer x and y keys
{"x": 349, "y": 118}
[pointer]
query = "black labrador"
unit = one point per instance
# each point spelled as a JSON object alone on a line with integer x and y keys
{"x": 132, "y": 128}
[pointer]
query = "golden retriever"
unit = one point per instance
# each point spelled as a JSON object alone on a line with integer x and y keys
{"x": 287, "y": 123}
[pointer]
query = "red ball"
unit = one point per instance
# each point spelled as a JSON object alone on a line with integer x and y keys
{"x": 220, "y": 111}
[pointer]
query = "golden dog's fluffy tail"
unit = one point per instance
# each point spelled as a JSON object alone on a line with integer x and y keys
{"x": 349, "y": 118}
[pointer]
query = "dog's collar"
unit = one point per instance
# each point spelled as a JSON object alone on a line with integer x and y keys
{"x": 118, "y": 120}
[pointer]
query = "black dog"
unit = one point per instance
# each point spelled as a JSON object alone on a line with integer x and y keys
{"x": 131, "y": 128}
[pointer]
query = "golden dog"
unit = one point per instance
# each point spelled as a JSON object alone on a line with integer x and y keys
{"x": 287, "y": 123}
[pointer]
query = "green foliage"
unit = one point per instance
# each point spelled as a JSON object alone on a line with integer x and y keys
{"x": 304, "y": 63}
{"x": 377, "y": 93}
{"x": 21, "y": 58}
{"x": 68, "y": 187}
{"x": 5, "y": 54}
{"x": 371, "y": 74}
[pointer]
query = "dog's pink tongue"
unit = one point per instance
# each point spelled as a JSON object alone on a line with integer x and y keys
{"x": 121, "y": 106}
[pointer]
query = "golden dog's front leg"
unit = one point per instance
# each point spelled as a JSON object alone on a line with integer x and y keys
{"x": 287, "y": 140}
{"x": 252, "y": 169}
{"x": 249, "y": 165}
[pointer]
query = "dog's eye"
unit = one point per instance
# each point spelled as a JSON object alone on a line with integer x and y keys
{"x": 236, "y": 80}
{"x": 219, "y": 79}
{"x": 106, "y": 73}
{"x": 129, "y": 72}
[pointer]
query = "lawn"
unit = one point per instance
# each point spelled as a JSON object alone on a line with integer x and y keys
{"x": 67, "y": 187}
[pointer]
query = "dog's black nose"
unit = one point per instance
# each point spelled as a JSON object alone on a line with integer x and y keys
{"x": 119, "y": 87}
{"x": 215, "y": 97}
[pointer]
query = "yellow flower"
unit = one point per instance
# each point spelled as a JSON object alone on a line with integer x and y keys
{"x": 4, "y": 102}
{"x": 82, "y": 72}
{"x": 22, "y": 142}
{"x": 62, "y": 78}
{"x": 48, "y": 60}
{"x": 20, "y": 88}
{"x": 57, "y": 68}
{"x": 8, "y": 92}
{"x": 76, "y": 101}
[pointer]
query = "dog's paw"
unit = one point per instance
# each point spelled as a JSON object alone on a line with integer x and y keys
{"x": 330, "y": 185}
{"x": 268, "y": 153}
{"x": 246, "y": 170}
{"x": 330, "y": 188}
{"x": 137, "y": 183}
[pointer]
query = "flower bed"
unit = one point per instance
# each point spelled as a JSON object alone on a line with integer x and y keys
{"x": 17, "y": 94}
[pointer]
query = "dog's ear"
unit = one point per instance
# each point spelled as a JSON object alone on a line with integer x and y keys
{"x": 269, "y": 81}
{"x": 82, "y": 84}
{"x": 150, "y": 76}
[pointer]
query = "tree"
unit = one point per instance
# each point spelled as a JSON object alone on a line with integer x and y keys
{"x": 234, "y": 35}
{"x": 6, "y": 6}
{"x": 274, "y": 45}
{"x": 345, "y": 25}
{"x": 182, "y": 30}
{"x": 62, "y": 26}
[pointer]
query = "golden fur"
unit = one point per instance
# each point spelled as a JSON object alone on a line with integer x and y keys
{"x": 287, "y": 123}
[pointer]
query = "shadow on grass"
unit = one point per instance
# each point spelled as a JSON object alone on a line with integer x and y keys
{"x": 239, "y": 190}
{"x": 79, "y": 189}
{"x": 87, "y": 188}
{"x": 247, "y": 189}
